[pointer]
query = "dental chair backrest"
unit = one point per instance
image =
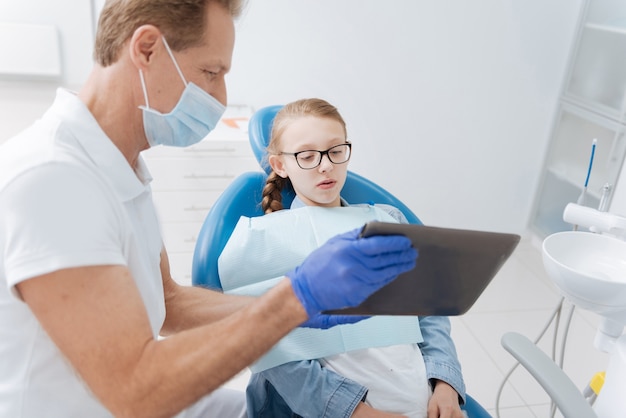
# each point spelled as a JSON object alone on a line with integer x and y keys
{"x": 243, "y": 196}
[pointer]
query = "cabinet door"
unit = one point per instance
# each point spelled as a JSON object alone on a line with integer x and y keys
{"x": 185, "y": 205}
{"x": 568, "y": 162}
{"x": 74, "y": 21}
{"x": 597, "y": 75}
{"x": 180, "y": 267}
{"x": 197, "y": 174}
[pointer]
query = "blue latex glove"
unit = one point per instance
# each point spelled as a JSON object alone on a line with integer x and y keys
{"x": 347, "y": 269}
{"x": 324, "y": 321}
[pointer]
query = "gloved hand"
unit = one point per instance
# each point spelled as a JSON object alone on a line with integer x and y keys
{"x": 346, "y": 270}
{"x": 325, "y": 321}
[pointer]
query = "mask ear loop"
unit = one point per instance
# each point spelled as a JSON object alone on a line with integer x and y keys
{"x": 143, "y": 81}
{"x": 169, "y": 51}
{"x": 143, "y": 87}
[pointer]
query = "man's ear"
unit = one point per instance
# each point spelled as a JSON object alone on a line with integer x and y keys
{"x": 276, "y": 162}
{"x": 143, "y": 44}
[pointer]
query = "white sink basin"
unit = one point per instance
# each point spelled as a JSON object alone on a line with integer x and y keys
{"x": 590, "y": 270}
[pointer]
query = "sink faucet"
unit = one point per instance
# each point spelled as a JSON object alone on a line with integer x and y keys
{"x": 597, "y": 221}
{"x": 604, "y": 199}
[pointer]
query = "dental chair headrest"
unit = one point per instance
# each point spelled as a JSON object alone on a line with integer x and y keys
{"x": 259, "y": 131}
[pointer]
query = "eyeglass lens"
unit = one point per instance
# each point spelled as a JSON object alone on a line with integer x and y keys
{"x": 310, "y": 159}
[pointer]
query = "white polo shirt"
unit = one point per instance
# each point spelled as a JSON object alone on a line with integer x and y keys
{"x": 68, "y": 198}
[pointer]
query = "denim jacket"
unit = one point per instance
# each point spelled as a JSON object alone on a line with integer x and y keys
{"x": 304, "y": 388}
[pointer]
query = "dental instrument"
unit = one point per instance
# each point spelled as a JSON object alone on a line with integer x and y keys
{"x": 603, "y": 206}
{"x": 583, "y": 193}
{"x": 581, "y": 198}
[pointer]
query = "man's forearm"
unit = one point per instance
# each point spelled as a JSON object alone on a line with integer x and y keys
{"x": 189, "y": 307}
{"x": 204, "y": 358}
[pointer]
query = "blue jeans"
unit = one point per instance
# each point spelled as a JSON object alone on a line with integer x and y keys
{"x": 305, "y": 387}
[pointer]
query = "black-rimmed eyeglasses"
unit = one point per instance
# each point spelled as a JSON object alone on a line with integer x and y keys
{"x": 310, "y": 159}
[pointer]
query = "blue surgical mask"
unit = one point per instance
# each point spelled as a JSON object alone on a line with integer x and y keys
{"x": 194, "y": 116}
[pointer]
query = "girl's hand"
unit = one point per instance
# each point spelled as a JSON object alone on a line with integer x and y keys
{"x": 445, "y": 402}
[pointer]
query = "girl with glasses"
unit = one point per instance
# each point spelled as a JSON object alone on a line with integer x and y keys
{"x": 309, "y": 152}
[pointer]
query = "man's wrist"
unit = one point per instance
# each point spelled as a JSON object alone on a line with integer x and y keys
{"x": 291, "y": 298}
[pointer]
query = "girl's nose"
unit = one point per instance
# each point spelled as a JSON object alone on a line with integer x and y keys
{"x": 325, "y": 164}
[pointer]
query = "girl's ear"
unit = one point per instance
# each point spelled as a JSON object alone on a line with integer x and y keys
{"x": 276, "y": 162}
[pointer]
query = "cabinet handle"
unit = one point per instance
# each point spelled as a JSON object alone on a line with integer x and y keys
{"x": 191, "y": 239}
{"x": 208, "y": 176}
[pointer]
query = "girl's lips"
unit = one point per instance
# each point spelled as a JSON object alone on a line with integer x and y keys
{"x": 326, "y": 184}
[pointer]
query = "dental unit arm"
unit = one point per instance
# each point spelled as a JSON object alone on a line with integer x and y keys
{"x": 554, "y": 381}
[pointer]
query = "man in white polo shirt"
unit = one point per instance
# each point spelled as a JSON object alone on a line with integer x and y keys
{"x": 85, "y": 288}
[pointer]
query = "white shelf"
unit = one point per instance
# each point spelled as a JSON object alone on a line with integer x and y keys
{"x": 606, "y": 28}
{"x": 565, "y": 174}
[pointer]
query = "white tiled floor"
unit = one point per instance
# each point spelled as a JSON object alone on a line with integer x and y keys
{"x": 521, "y": 299}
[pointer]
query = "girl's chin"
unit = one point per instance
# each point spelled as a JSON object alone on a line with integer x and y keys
{"x": 329, "y": 202}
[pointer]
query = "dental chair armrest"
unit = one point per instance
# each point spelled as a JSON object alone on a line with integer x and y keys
{"x": 554, "y": 381}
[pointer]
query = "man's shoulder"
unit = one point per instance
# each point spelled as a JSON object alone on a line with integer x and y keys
{"x": 40, "y": 147}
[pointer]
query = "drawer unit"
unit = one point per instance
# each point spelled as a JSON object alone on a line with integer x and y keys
{"x": 180, "y": 267}
{"x": 187, "y": 181}
{"x": 209, "y": 173}
{"x": 185, "y": 205}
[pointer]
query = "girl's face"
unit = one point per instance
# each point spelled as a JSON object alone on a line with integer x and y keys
{"x": 321, "y": 185}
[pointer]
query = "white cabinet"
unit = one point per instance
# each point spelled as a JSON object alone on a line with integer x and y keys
{"x": 186, "y": 182}
{"x": 598, "y": 76}
{"x": 73, "y": 21}
{"x": 592, "y": 106}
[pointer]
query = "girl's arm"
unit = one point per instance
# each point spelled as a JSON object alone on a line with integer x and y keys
{"x": 442, "y": 363}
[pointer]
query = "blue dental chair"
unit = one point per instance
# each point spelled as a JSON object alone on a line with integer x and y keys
{"x": 242, "y": 198}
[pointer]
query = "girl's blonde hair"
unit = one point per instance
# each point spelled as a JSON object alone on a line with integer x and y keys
{"x": 272, "y": 198}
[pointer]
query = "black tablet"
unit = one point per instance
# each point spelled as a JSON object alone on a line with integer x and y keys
{"x": 453, "y": 268}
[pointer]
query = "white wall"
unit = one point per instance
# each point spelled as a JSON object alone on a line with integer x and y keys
{"x": 449, "y": 103}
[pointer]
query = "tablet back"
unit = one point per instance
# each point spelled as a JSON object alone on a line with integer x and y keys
{"x": 453, "y": 269}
